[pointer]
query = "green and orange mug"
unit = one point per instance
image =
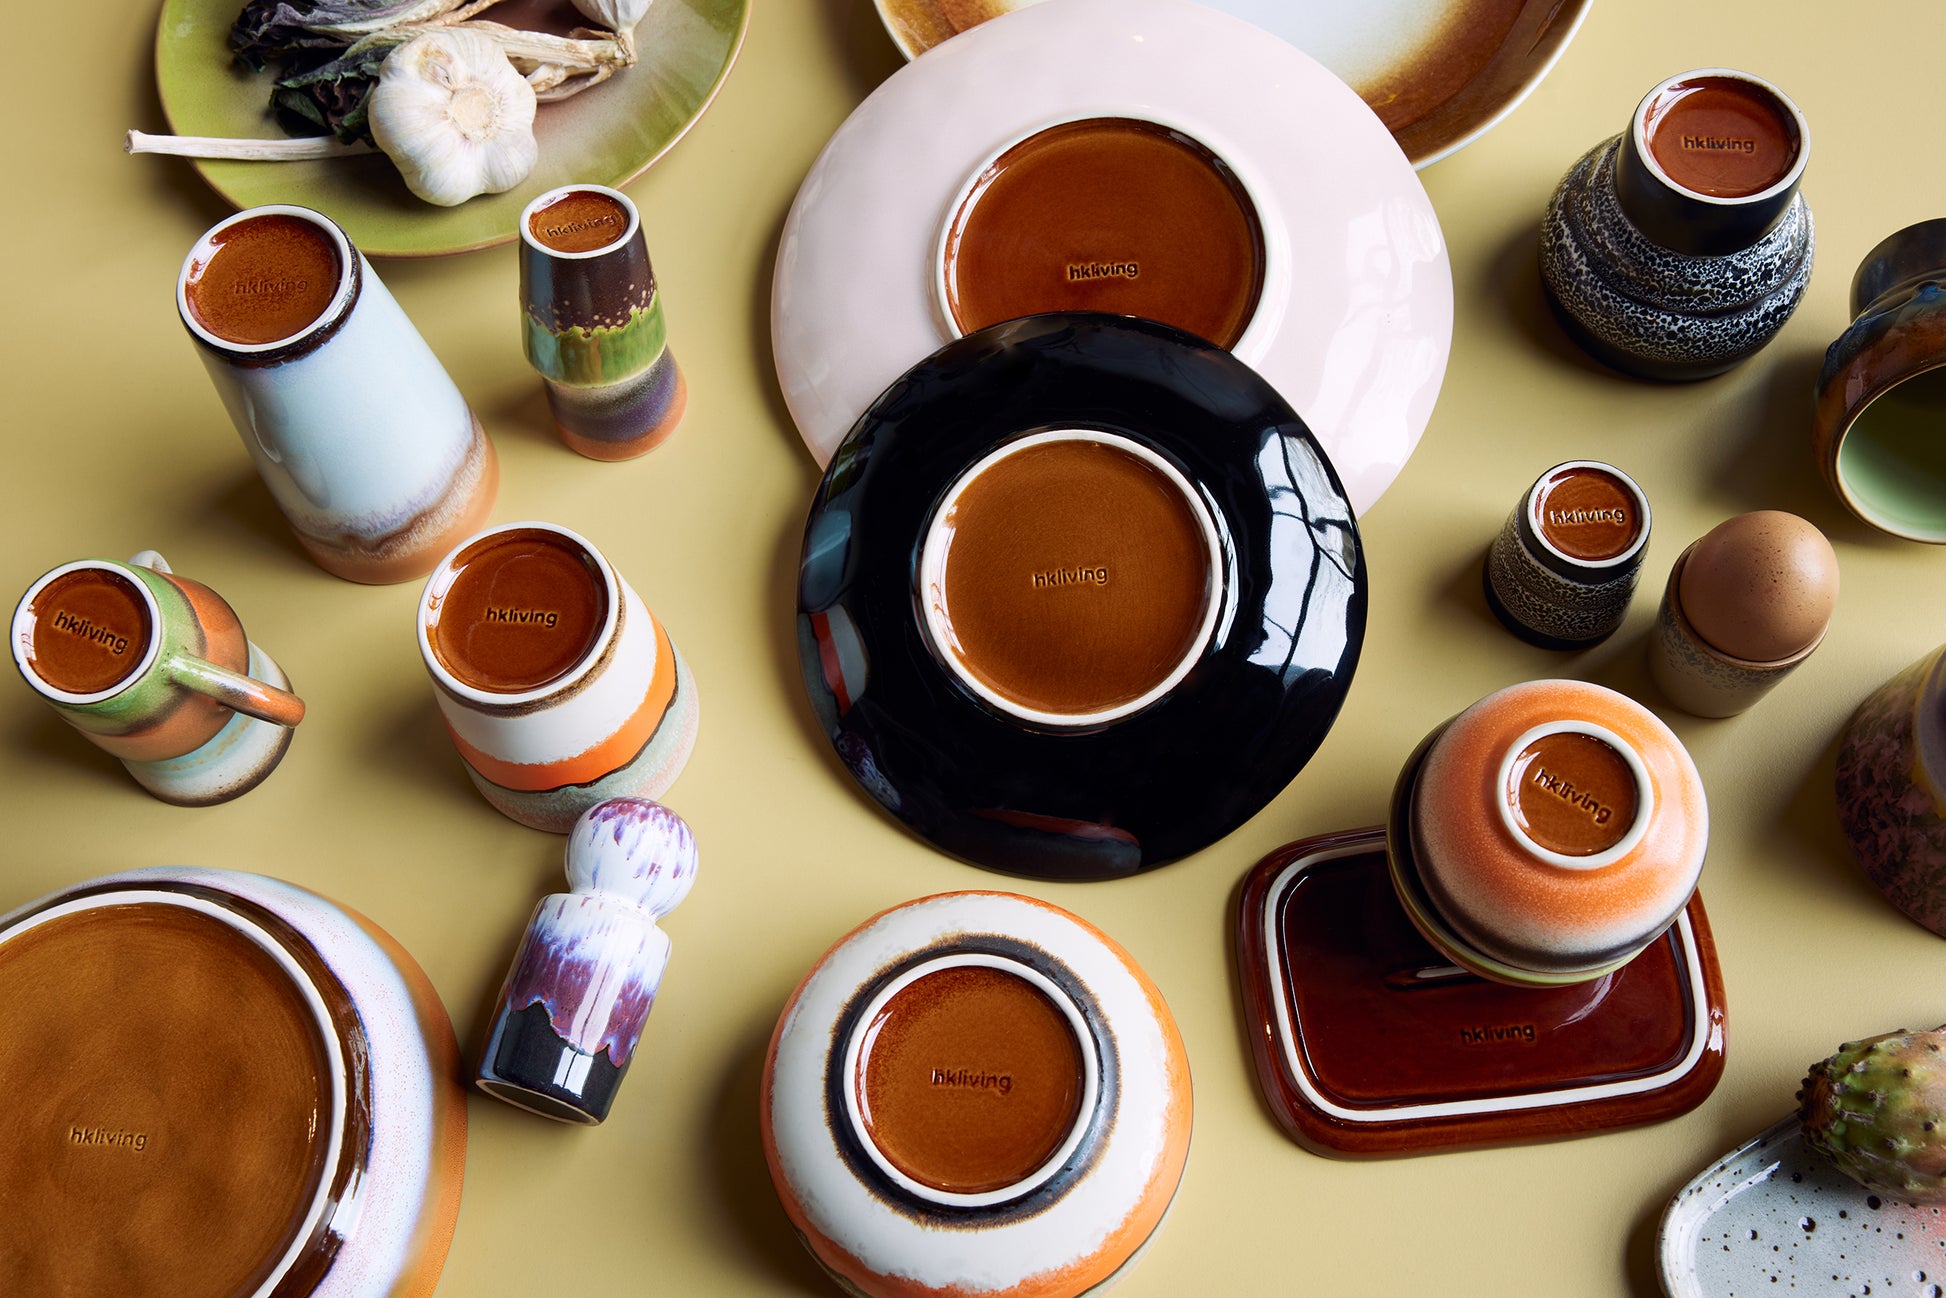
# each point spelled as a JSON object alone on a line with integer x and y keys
{"x": 148, "y": 665}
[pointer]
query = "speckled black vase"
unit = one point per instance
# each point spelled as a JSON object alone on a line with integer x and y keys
{"x": 1660, "y": 279}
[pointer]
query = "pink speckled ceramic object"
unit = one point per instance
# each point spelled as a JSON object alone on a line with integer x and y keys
{"x": 1549, "y": 833}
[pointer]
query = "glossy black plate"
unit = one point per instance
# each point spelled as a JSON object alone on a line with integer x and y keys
{"x": 1154, "y": 786}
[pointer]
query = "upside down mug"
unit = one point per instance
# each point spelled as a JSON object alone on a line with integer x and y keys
{"x": 560, "y": 689}
{"x": 155, "y": 669}
{"x": 377, "y": 462}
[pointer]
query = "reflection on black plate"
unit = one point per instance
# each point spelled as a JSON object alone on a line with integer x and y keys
{"x": 1096, "y": 800}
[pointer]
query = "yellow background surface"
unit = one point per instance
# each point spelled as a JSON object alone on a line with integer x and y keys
{"x": 116, "y": 441}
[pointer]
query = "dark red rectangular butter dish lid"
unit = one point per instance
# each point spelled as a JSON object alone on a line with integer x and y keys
{"x": 1368, "y": 1042}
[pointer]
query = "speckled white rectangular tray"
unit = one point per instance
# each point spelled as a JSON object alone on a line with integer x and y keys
{"x": 1773, "y": 1217}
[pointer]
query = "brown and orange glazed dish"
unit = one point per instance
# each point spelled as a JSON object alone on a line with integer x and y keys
{"x": 221, "y": 1084}
{"x": 976, "y": 1093}
{"x": 1438, "y": 75}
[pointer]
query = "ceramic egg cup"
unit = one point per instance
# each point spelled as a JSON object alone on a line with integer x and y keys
{"x": 1698, "y": 677}
{"x": 1369, "y": 1041}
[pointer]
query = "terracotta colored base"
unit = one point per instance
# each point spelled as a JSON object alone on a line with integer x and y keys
{"x": 622, "y": 420}
{"x": 651, "y": 771}
{"x": 417, "y": 548}
{"x": 1367, "y": 1041}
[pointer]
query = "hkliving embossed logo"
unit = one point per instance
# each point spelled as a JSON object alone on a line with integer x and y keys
{"x": 1508, "y": 1034}
{"x": 1719, "y": 144}
{"x": 566, "y": 228}
{"x": 1086, "y": 270}
{"x": 86, "y": 630}
{"x": 1095, "y": 575}
{"x": 1564, "y": 789}
{"x": 261, "y": 287}
{"x": 1578, "y": 517}
{"x": 524, "y": 616}
{"x": 103, "y": 1138}
{"x": 972, "y": 1079}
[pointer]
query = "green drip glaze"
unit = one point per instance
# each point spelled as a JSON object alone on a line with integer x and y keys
{"x": 592, "y": 358}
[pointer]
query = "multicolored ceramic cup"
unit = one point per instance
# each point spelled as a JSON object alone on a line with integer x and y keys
{"x": 592, "y": 323}
{"x": 1881, "y": 396}
{"x": 1679, "y": 248}
{"x": 573, "y": 1006}
{"x": 366, "y": 445}
{"x": 1892, "y": 789}
{"x": 559, "y": 688}
{"x": 1562, "y": 570}
{"x": 1548, "y": 834}
{"x": 154, "y": 668}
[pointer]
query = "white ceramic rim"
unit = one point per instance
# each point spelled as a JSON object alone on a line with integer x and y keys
{"x": 1641, "y": 501}
{"x": 1287, "y": 1038}
{"x": 347, "y": 278}
{"x": 931, "y": 595}
{"x": 441, "y": 580}
{"x": 1639, "y": 123}
{"x": 23, "y": 634}
{"x": 327, "y": 1033}
{"x": 1644, "y": 795}
{"x": 527, "y": 217}
{"x": 1084, "y": 1113}
{"x": 1273, "y": 291}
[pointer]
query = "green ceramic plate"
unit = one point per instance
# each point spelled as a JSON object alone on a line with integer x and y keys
{"x": 609, "y": 134}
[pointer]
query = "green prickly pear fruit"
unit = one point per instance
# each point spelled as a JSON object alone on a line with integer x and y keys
{"x": 1877, "y": 1109}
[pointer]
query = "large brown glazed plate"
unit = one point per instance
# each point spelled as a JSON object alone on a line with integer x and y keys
{"x": 1439, "y": 73}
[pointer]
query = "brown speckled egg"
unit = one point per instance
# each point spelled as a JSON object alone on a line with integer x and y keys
{"x": 1760, "y": 586}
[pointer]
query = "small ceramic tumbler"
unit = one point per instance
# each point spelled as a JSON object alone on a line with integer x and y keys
{"x": 1562, "y": 570}
{"x": 1679, "y": 248}
{"x": 558, "y": 686}
{"x": 1892, "y": 789}
{"x": 592, "y": 317}
{"x": 1881, "y": 396}
{"x": 1745, "y": 604}
{"x": 584, "y": 979}
{"x": 1548, "y": 834}
{"x": 370, "y": 451}
{"x": 154, "y": 668}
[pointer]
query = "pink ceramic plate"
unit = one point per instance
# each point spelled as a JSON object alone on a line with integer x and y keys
{"x": 1355, "y": 316}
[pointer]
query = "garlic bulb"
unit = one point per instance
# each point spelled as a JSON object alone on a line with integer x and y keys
{"x": 615, "y": 15}
{"x": 454, "y": 116}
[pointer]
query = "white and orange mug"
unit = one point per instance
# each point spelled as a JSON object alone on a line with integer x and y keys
{"x": 559, "y": 687}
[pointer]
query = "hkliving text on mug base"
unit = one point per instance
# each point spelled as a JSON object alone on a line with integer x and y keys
{"x": 368, "y": 448}
{"x": 616, "y": 717}
{"x": 192, "y": 731}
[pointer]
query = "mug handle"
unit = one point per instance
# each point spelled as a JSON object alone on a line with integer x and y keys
{"x": 236, "y": 691}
